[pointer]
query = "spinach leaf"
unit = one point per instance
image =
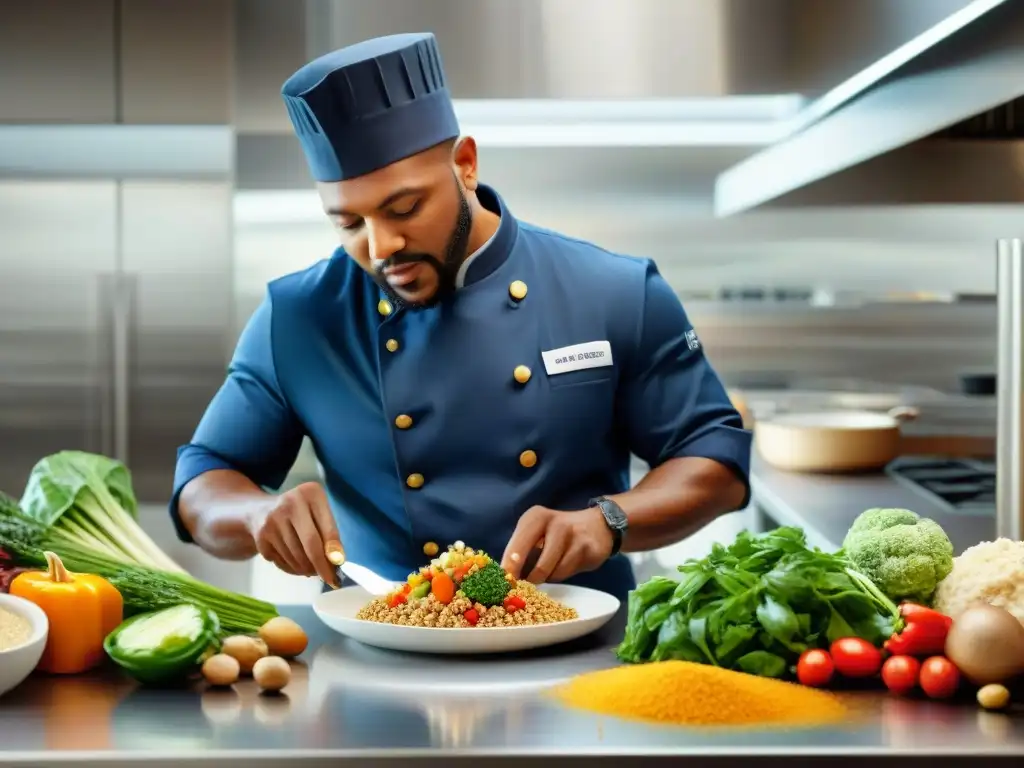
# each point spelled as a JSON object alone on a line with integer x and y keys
{"x": 754, "y": 606}
{"x": 762, "y": 663}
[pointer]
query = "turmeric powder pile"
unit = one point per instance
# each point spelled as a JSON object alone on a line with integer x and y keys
{"x": 685, "y": 693}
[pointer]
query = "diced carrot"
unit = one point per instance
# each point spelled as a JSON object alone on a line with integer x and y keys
{"x": 442, "y": 588}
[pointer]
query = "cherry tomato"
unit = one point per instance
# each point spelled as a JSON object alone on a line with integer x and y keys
{"x": 855, "y": 657}
{"x": 471, "y": 616}
{"x": 900, "y": 674}
{"x": 815, "y": 668}
{"x": 939, "y": 677}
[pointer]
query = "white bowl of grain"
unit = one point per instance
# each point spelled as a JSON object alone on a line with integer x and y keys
{"x": 23, "y": 631}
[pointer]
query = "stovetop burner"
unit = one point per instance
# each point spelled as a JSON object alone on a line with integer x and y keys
{"x": 965, "y": 485}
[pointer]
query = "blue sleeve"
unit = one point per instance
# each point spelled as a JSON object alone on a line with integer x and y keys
{"x": 674, "y": 403}
{"x": 249, "y": 426}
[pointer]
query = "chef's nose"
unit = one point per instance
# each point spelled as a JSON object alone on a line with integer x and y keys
{"x": 384, "y": 242}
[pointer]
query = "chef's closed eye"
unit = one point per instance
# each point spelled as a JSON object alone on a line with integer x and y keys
{"x": 404, "y": 210}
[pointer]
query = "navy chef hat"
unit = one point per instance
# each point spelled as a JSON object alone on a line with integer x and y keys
{"x": 371, "y": 104}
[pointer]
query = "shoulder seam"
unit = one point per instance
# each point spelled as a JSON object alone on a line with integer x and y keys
{"x": 579, "y": 241}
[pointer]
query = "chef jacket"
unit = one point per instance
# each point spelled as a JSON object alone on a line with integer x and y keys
{"x": 551, "y": 364}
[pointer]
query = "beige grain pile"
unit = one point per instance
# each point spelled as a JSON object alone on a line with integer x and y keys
{"x": 428, "y": 612}
{"x": 15, "y": 629}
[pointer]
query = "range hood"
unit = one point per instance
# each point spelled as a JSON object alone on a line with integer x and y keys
{"x": 944, "y": 125}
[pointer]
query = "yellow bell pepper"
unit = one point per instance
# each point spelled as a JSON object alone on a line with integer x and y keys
{"x": 82, "y": 609}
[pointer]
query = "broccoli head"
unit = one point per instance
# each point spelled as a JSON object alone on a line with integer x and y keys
{"x": 487, "y": 586}
{"x": 904, "y": 554}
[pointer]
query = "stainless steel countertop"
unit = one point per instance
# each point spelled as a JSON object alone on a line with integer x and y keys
{"x": 825, "y": 506}
{"x": 358, "y": 703}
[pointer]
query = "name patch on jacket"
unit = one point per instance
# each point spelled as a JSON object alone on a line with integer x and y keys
{"x": 592, "y": 354}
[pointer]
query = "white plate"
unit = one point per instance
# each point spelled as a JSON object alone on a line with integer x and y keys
{"x": 338, "y": 611}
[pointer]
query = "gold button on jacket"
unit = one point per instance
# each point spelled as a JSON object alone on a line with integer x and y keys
{"x": 414, "y": 480}
{"x": 528, "y": 459}
{"x": 522, "y": 374}
{"x": 384, "y": 307}
{"x": 391, "y": 345}
{"x": 517, "y": 290}
{"x": 403, "y": 421}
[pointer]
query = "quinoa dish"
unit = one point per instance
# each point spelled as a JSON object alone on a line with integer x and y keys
{"x": 464, "y": 588}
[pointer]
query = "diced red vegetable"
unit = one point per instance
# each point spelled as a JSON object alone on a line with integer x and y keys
{"x": 472, "y": 616}
{"x": 397, "y": 599}
{"x": 514, "y": 603}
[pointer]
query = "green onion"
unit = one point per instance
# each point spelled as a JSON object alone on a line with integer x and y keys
{"x": 23, "y": 540}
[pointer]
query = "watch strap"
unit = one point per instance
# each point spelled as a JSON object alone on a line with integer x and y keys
{"x": 614, "y": 518}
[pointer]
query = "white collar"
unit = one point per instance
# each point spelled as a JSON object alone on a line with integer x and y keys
{"x": 460, "y": 276}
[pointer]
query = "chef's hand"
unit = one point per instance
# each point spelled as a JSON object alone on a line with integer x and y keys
{"x": 295, "y": 532}
{"x": 569, "y": 543}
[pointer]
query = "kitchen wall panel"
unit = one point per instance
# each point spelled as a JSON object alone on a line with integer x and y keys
{"x": 177, "y": 261}
{"x": 270, "y": 44}
{"x": 176, "y": 61}
{"x": 57, "y": 258}
{"x": 57, "y": 62}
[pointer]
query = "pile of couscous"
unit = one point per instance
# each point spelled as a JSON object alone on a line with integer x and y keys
{"x": 463, "y": 588}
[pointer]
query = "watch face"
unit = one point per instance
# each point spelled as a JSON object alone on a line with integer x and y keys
{"x": 614, "y": 515}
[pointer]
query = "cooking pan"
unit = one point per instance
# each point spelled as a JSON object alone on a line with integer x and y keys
{"x": 832, "y": 441}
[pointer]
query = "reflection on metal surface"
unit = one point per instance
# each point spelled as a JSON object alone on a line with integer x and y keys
{"x": 222, "y": 707}
{"x": 1010, "y": 391}
{"x": 457, "y": 724}
{"x": 334, "y": 711}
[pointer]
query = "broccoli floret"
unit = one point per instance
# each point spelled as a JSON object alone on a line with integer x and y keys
{"x": 904, "y": 554}
{"x": 487, "y": 586}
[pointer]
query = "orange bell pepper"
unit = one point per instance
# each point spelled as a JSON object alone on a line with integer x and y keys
{"x": 82, "y": 608}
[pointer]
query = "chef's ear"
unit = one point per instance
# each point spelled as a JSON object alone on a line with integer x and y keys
{"x": 464, "y": 162}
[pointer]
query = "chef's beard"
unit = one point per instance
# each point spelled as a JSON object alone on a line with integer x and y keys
{"x": 447, "y": 269}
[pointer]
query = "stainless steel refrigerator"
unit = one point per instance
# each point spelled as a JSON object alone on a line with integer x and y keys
{"x": 115, "y": 319}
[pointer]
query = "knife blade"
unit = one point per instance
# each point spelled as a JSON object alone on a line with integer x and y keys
{"x": 360, "y": 574}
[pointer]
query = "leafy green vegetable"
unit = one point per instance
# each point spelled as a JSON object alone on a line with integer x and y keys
{"x": 90, "y": 497}
{"x": 487, "y": 586}
{"x": 755, "y": 606}
{"x": 23, "y": 541}
{"x": 904, "y": 554}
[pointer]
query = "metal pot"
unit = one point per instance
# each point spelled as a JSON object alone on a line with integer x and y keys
{"x": 832, "y": 441}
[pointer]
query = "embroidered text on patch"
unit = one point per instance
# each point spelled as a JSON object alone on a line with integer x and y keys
{"x": 691, "y": 340}
{"x": 591, "y": 354}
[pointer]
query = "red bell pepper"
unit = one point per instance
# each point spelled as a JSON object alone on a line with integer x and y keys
{"x": 924, "y": 633}
{"x": 514, "y": 603}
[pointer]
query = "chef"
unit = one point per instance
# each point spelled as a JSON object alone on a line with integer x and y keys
{"x": 462, "y": 375}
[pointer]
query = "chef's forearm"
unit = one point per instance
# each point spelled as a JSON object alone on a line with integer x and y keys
{"x": 216, "y": 509}
{"x": 677, "y": 499}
